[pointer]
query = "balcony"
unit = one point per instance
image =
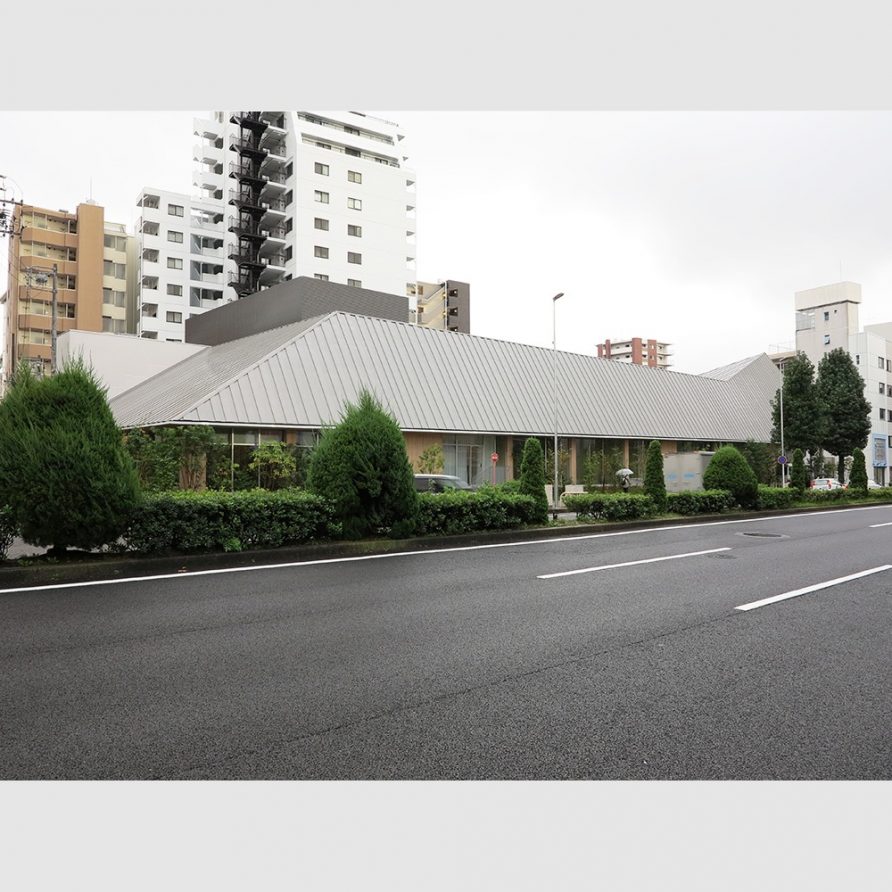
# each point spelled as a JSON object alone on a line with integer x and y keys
{"x": 245, "y": 258}
{"x": 274, "y": 139}
{"x": 207, "y": 153}
{"x": 247, "y": 173}
{"x": 248, "y": 148}
{"x": 206, "y": 224}
{"x": 273, "y": 270}
{"x": 146, "y": 227}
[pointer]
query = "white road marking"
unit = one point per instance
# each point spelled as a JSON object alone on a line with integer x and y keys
{"x": 873, "y": 526}
{"x": 669, "y": 557}
{"x": 372, "y": 557}
{"x": 813, "y": 588}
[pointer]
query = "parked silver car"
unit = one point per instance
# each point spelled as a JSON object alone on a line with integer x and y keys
{"x": 439, "y": 483}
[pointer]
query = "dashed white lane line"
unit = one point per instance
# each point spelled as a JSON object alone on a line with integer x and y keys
{"x": 813, "y": 588}
{"x": 434, "y": 551}
{"x": 668, "y": 557}
{"x": 873, "y": 526}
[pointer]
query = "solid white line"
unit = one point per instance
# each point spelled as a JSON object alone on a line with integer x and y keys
{"x": 873, "y": 526}
{"x": 430, "y": 551}
{"x": 669, "y": 557}
{"x": 813, "y": 588}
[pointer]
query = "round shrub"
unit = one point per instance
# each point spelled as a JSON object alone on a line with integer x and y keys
{"x": 361, "y": 466}
{"x": 64, "y": 472}
{"x": 730, "y": 470}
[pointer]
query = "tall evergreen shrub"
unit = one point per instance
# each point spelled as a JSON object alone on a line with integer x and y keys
{"x": 362, "y": 467}
{"x": 798, "y": 475}
{"x": 532, "y": 477}
{"x": 654, "y": 479}
{"x": 64, "y": 472}
{"x": 858, "y": 477}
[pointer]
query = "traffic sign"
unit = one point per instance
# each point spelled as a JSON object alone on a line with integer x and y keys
{"x": 782, "y": 460}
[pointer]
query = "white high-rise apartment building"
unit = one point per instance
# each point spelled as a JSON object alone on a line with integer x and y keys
{"x": 323, "y": 194}
{"x": 180, "y": 255}
{"x": 827, "y": 318}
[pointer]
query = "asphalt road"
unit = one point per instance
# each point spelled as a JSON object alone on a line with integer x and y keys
{"x": 467, "y": 664}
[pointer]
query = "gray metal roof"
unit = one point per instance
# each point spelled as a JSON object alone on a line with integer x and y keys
{"x": 302, "y": 376}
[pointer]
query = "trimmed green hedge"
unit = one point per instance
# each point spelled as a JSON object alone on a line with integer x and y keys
{"x": 610, "y": 506}
{"x": 464, "y": 511}
{"x": 706, "y": 501}
{"x": 776, "y": 497}
{"x": 231, "y": 521}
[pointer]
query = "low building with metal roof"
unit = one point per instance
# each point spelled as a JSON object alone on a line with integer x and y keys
{"x": 471, "y": 395}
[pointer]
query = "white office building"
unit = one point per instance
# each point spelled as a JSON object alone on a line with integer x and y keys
{"x": 827, "y": 318}
{"x": 322, "y": 194}
{"x": 181, "y": 261}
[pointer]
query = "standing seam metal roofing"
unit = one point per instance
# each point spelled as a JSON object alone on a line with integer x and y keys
{"x": 301, "y": 376}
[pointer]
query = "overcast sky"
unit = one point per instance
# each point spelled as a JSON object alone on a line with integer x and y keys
{"x": 690, "y": 227}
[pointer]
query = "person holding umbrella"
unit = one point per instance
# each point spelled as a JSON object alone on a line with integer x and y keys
{"x": 625, "y": 474}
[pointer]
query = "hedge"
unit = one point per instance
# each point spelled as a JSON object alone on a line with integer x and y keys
{"x": 706, "y": 501}
{"x": 463, "y": 511}
{"x": 231, "y": 521}
{"x": 776, "y": 497}
{"x": 610, "y": 506}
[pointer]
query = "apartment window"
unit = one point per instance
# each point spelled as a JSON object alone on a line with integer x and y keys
{"x": 880, "y": 362}
{"x": 353, "y": 176}
{"x": 353, "y": 257}
{"x": 173, "y": 236}
{"x": 321, "y": 276}
{"x": 115, "y": 242}
{"x": 113, "y": 298}
{"x": 175, "y": 210}
{"x": 321, "y": 169}
{"x": 349, "y": 151}
{"x": 115, "y": 270}
{"x": 289, "y": 169}
{"x": 289, "y": 197}
{"x": 174, "y": 262}
{"x": 352, "y": 130}
{"x": 174, "y": 317}
{"x": 826, "y": 315}
{"x": 889, "y": 365}
{"x": 323, "y": 145}
{"x": 66, "y": 311}
{"x": 175, "y": 290}
{"x": 355, "y": 283}
{"x": 320, "y": 251}
{"x": 857, "y": 359}
{"x": 117, "y": 326}
{"x": 354, "y": 230}
{"x": 321, "y": 196}
{"x": 882, "y": 414}
{"x": 354, "y": 203}
{"x": 288, "y": 253}
{"x": 289, "y": 224}
{"x": 883, "y": 388}
{"x": 319, "y": 223}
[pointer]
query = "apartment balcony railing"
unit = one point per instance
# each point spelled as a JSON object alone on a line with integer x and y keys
{"x": 245, "y": 228}
{"x": 208, "y": 225}
{"x": 248, "y": 147}
{"x": 249, "y": 120}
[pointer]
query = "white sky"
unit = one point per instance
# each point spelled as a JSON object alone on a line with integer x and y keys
{"x": 690, "y": 227}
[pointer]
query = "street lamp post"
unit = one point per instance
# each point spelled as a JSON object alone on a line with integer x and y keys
{"x": 783, "y": 454}
{"x": 554, "y": 301}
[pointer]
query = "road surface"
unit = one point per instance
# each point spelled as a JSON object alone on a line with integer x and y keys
{"x": 610, "y": 656}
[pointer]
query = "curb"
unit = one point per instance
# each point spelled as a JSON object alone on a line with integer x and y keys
{"x": 98, "y": 568}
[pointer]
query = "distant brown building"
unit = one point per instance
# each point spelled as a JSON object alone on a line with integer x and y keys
{"x": 96, "y": 271}
{"x": 637, "y": 351}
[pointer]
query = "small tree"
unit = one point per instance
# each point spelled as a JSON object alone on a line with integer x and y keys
{"x": 798, "y": 475}
{"x": 729, "y": 470}
{"x": 64, "y": 472}
{"x": 654, "y": 479}
{"x": 532, "y": 477}
{"x": 761, "y": 457}
{"x": 362, "y": 466}
{"x": 858, "y": 478}
{"x": 432, "y": 460}
{"x": 274, "y": 464}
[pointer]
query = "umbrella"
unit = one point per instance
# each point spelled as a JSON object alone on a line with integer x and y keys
{"x": 624, "y": 472}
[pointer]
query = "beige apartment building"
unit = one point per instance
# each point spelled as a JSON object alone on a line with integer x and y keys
{"x": 638, "y": 351}
{"x": 96, "y": 268}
